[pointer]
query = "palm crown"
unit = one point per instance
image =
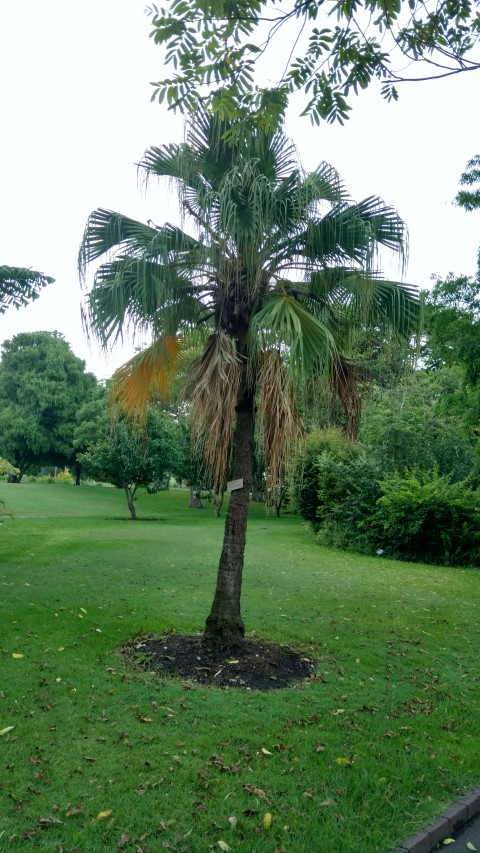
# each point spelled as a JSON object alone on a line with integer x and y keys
{"x": 276, "y": 258}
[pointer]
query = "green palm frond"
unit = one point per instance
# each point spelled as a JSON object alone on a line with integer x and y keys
{"x": 307, "y": 342}
{"x": 108, "y": 232}
{"x": 348, "y": 233}
{"x": 142, "y": 295}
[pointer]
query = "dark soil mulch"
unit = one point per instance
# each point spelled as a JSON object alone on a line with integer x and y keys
{"x": 256, "y": 665}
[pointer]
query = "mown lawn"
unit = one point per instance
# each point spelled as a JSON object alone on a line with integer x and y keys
{"x": 104, "y": 757}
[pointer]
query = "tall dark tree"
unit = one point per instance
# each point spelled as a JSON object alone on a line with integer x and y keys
{"x": 42, "y": 385}
{"x": 281, "y": 265}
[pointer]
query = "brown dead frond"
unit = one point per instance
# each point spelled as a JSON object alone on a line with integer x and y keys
{"x": 346, "y": 379}
{"x": 280, "y": 425}
{"x": 146, "y": 376}
{"x": 213, "y": 388}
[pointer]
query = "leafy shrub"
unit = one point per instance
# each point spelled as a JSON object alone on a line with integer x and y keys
{"x": 424, "y": 517}
{"x": 348, "y": 492}
{"x": 64, "y": 477}
{"x": 316, "y": 486}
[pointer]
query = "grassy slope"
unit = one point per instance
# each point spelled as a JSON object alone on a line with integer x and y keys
{"x": 397, "y": 694}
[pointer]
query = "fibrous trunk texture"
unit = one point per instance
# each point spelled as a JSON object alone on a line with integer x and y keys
{"x": 225, "y": 625}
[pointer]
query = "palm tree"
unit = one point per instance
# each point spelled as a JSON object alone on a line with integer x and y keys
{"x": 276, "y": 269}
{"x": 19, "y": 285}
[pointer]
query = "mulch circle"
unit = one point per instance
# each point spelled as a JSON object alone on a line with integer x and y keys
{"x": 256, "y": 665}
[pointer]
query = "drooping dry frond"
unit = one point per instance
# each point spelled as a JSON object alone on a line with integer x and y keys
{"x": 212, "y": 388}
{"x": 280, "y": 426}
{"x": 146, "y": 376}
{"x": 345, "y": 379}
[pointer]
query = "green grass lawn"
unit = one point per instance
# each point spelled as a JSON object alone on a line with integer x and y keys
{"x": 178, "y": 767}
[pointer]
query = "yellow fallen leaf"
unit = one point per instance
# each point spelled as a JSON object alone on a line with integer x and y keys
{"x": 16, "y": 656}
{"x": 267, "y": 820}
{"x": 472, "y": 847}
{"x": 448, "y": 841}
{"x": 61, "y": 649}
{"x": 146, "y": 720}
{"x": 232, "y": 821}
{"x": 104, "y": 815}
{"x": 233, "y": 661}
{"x": 357, "y": 660}
{"x": 223, "y": 846}
{"x": 6, "y": 730}
{"x": 83, "y": 610}
{"x": 343, "y": 761}
{"x": 266, "y": 752}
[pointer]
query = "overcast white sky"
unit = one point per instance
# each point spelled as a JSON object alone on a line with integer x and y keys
{"x": 76, "y": 116}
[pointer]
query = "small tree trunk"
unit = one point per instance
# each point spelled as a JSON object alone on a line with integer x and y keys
{"x": 130, "y": 503}
{"x": 78, "y": 474}
{"x": 217, "y": 499}
{"x": 195, "y": 502}
{"x": 224, "y": 625}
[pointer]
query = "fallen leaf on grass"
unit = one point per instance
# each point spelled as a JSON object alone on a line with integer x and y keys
{"x": 345, "y": 762}
{"x": 328, "y": 802}
{"x": 223, "y": 846}
{"x": 16, "y": 656}
{"x": 6, "y": 730}
{"x": 123, "y": 840}
{"x": 146, "y": 720}
{"x": 83, "y": 610}
{"x": 232, "y": 821}
{"x": 258, "y": 791}
{"x": 49, "y": 821}
{"x": 448, "y": 841}
{"x": 77, "y": 810}
{"x": 267, "y": 820}
{"x": 104, "y": 815}
{"x": 471, "y": 846}
{"x": 266, "y": 752}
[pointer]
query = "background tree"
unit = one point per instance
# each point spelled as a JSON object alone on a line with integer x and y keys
{"x": 132, "y": 456}
{"x": 281, "y": 265}
{"x": 42, "y": 386}
{"x": 214, "y": 47}
{"x": 469, "y": 198}
{"x": 19, "y": 286}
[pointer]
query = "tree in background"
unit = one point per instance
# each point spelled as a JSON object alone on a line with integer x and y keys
{"x": 19, "y": 286}
{"x": 282, "y": 264}
{"x": 132, "y": 456}
{"x": 469, "y": 198}
{"x": 42, "y": 386}
{"x": 214, "y": 47}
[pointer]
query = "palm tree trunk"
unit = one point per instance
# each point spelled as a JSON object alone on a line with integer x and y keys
{"x": 224, "y": 625}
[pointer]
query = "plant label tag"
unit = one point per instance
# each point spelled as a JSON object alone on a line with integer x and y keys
{"x": 234, "y": 484}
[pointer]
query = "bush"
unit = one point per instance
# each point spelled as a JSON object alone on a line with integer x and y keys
{"x": 424, "y": 517}
{"x": 316, "y": 485}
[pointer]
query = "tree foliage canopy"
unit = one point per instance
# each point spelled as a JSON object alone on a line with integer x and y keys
{"x": 42, "y": 384}
{"x": 331, "y": 49}
{"x": 468, "y": 196}
{"x": 282, "y": 261}
{"x": 128, "y": 455}
{"x": 18, "y": 286}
